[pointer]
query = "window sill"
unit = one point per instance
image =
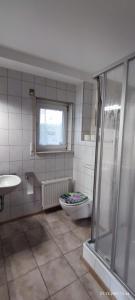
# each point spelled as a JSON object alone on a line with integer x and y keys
{"x": 54, "y": 152}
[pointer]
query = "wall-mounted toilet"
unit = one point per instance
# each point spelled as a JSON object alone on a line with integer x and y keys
{"x": 77, "y": 205}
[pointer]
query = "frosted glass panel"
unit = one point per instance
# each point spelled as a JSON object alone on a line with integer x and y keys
{"x": 111, "y": 120}
{"x": 51, "y": 130}
{"x": 125, "y": 247}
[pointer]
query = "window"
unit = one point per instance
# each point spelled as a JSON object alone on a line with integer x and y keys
{"x": 52, "y": 126}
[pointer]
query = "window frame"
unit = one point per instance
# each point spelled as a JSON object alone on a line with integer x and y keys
{"x": 56, "y": 105}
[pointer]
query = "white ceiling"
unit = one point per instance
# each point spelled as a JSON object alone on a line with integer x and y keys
{"x": 85, "y": 35}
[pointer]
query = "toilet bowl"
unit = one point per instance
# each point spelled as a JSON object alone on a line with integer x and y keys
{"x": 79, "y": 210}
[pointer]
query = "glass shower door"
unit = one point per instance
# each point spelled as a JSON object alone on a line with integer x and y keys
{"x": 109, "y": 135}
{"x": 125, "y": 246}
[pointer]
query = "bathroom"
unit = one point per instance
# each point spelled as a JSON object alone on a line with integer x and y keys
{"x": 76, "y": 81}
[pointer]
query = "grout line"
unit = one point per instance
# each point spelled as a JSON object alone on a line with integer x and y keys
{"x": 37, "y": 266}
{"x": 63, "y": 287}
{"x": 22, "y": 275}
{"x": 52, "y": 238}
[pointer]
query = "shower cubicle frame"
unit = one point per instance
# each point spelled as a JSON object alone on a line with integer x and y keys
{"x": 98, "y": 166}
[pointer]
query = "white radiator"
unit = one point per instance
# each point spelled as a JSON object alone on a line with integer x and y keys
{"x": 52, "y": 189}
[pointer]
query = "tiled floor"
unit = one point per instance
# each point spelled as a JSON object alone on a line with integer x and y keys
{"x": 40, "y": 258}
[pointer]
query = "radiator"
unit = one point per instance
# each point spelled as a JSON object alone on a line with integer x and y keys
{"x": 52, "y": 189}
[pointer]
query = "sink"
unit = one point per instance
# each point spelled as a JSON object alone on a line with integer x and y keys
{"x": 8, "y": 183}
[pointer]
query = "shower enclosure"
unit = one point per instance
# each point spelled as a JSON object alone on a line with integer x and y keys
{"x": 113, "y": 230}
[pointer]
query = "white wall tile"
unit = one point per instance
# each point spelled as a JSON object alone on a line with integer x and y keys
{"x": 4, "y": 167}
{"x": 83, "y": 152}
{"x": 5, "y": 214}
{"x": 3, "y": 120}
{"x": 71, "y": 87}
{"x": 26, "y": 153}
{"x": 3, "y": 85}
{"x": 14, "y": 74}
{"x": 15, "y": 167}
{"x": 88, "y": 85}
{"x": 68, "y": 163}
{"x": 15, "y": 153}
{"x": 15, "y": 121}
{"x": 61, "y": 95}
{"x": 14, "y": 104}
{"x": 50, "y": 82}
{"x": 27, "y": 107}
{"x": 15, "y": 137}
{"x": 59, "y": 164}
{"x": 50, "y": 165}
{"x": 68, "y": 173}
{"x": 28, "y": 166}
{"x": 39, "y": 166}
{"x": 59, "y": 174}
{"x": 41, "y": 176}
{"x": 3, "y": 72}
{"x": 61, "y": 85}
{"x": 16, "y": 131}
{"x": 3, "y": 137}
{"x": 50, "y": 175}
{"x": 27, "y": 77}
{"x": 40, "y": 80}
{"x": 70, "y": 96}
{"x": 26, "y": 137}
{"x": 16, "y": 198}
{"x": 26, "y": 122}
{"x": 3, "y": 103}
{"x": 40, "y": 91}
{"x": 14, "y": 87}
{"x": 4, "y": 153}
{"x": 51, "y": 93}
{"x": 16, "y": 211}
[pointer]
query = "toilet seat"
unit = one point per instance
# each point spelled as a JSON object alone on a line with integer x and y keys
{"x": 73, "y": 199}
{"x": 80, "y": 210}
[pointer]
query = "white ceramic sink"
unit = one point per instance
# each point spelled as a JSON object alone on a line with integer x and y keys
{"x": 8, "y": 183}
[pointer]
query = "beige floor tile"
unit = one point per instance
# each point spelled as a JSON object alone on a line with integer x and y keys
{"x": 71, "y": 225}
{"x": 51, "y": 217}
{"x": 58, "y": 227}
{"x": 37, "y": 236}
{"x": 40, "y": 218}
{"x": 66, "y": 219}
{"x": 83, "y": 233}
{"x": 83, "y": 222}
{"x": 75, "y": 260}
{"x": 62, "y": 215}
{"x": 29, "y": 223}
{"x": 28, "y": 287}
{"x": 45, "y": 252}
{"x": 74, "y": 291}
{"x": 93, "y": 288}
{"x": 10, "y": 229}
{"x": 14, "y": 245}
{"x": 19, "y": 264}
{"x": 67, "y": 242}
{"x": 2, "y": 274}
{"x": 1, "y": 252}
{"x": 4, "y": 292}
{"x": 57, "y": 274}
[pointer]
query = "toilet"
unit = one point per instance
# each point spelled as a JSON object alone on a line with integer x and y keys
{"x": 77, "y": 205}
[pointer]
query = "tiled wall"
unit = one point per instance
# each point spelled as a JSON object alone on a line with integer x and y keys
{"x": 84, "y": 152}
{"x": 16, "y": 136}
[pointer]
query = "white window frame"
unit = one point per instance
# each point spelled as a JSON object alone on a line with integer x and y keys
{"x": 43, "y": 104}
